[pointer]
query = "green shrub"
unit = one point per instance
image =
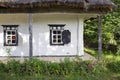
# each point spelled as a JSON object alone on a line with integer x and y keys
{"x": 67, "y": 68}
{"x": 114, "y": 66}
{"x": 31, "y": 66}
{"x": 13, "y": 66}
{"x": 2, "y": 67}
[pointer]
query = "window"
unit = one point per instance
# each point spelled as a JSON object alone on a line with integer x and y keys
{"x": 56, "y": 34}
{"x": 10, "y": 35}
{"x": 59, "y": 36}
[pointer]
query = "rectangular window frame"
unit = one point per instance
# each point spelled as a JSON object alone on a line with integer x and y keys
{"x": 10, "y": 28}
{"x": 51, "y": 26}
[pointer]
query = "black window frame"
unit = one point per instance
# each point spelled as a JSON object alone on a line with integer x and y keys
{"x": 5, "y": 29}
{"x": 52, "y": 26}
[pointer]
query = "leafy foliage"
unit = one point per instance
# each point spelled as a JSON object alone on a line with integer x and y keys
{"x": 34, "y": 69}
{"x": 67, "y": 68}
{"x": 110, "y": 29}
{"x": 114, "y": 66}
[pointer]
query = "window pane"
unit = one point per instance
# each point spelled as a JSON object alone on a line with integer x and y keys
{"x": 59, "y": 36}
{"x": 59, "y": 32}
{"x": 59, "y": 41}
{"x": 13, "y": 41}
{"x": 13, "y": 37}
{"x": 54, "y": 41}
{"x": 9, "y": 41}
{"x": 13, "y": 32}
{"x": 54, "y": 36}
{"x": 8, "y": 37}
{"x": 8, "y": 32}
{"x": 54, "y": 32}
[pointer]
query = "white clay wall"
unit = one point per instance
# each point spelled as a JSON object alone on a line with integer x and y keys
{"x": 23, "y": 36}
{"x": 41, "y": 34}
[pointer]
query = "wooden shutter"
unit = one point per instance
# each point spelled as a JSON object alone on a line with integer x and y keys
{"x": 66, "y": 36}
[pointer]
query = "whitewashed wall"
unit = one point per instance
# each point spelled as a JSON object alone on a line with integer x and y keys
{"x": 41, "y": 34}
{"x": 23, "y": 42}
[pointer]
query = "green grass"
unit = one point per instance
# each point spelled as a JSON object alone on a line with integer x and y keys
{"x": 107, "y": 57}
{"x": 112, "y": 57}
{"x": 91, "y": 52}
{"x": 116, "y": 76}
{"x": 45, "y": 77}
{"x": 105, "y": 54}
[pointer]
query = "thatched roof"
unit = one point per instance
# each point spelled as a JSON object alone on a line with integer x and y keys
{"x": 74, "y": 6}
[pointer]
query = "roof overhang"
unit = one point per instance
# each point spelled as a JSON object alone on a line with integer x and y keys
{"x": 46, "y": 6}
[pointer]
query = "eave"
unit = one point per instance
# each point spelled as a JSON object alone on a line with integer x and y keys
{"x": 49, "y": 6}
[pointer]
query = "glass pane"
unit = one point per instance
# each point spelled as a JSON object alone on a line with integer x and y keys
{"x": 54, "y": 41}
{"x": 13, "y": 37}
{"x": 9, "y": 41}
{"x": 54, "y": 36}
{"x": 13, "y": 41}
{"x": 59, "y": 36}
{"x": 59, "y": 41}
{"x": 13, "y": 32}
{"x": 54, "y": 32}
{"x": 8, "y": 32}
{"x": 59, "y": 32}
{"x": 9, "y": 37}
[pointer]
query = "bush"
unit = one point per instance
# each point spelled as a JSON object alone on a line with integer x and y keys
{"x": 114, "y": 66}
{"x": 13, "y": 67}
{"x": 33, "y": 66}
{"x": 67, "y": 68}
{"x": 2, "y": 67}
